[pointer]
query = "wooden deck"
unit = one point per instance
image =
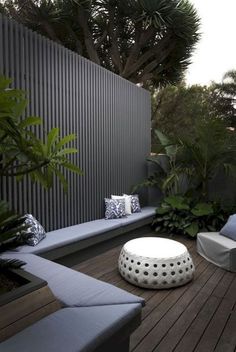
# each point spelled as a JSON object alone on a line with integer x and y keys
{"x": 200, "y": 316}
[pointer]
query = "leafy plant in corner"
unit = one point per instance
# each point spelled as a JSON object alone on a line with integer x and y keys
{"x": 184, "y": 215}
{"x": 168, "y": 176}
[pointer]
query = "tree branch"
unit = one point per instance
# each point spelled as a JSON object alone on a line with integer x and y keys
{"x": 114, "y": 51}
{"x": 88, "y": 38}
{"x": 157, "y": 49}
{"x": 141, "y": 38}
{"x": 101, "y": 39}
{"x": 26, "y": 171}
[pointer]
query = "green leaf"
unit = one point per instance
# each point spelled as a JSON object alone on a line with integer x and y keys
{"x": 177, "y": 202}
{"x": 166, "y": 143}
{"x": 192, "y": 229}
{"x": 19, "y": 108}
{"x": 4, "y": 82}
{"x": 51, "y": 138}
{"x": 163, "y": 210}
{"x": 67, "y": 151}
{"x": 73, "y": 168}
{"x": 65, "y": 140}
{"x": 30, "y": 121}
{"x": 202, "y": 209}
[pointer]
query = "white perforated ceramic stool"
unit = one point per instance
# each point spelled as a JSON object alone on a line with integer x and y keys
{"x": 152, "y": 262}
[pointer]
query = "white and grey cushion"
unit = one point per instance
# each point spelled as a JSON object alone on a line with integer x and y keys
{"x": 135, "y": 205}
{"x": 81, "y": 329}
{"x": 34, "y": 231}
{"x": 114, "y": 208}
{"x": 229, "y": 229}
{"x": 127, "y": 202}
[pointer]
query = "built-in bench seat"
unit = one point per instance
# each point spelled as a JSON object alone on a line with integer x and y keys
{"x": 84, "y": 329}
{"x": 96, "y": 316}
{"x": 64, "y": 242}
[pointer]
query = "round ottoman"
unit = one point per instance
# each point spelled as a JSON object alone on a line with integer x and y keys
{"x": 152, "y": 262}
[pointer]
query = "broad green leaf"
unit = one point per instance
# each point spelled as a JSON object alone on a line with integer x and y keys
{"x": 73, "y": 168}
{"x": 192, "y": 229}
{"x": 170, "y": 148}
{"x": 162, "y": 210}
{"x": 67, "y": 151}
{"x": 202, "y": 209}
{"x": 4, "y": 82}
{"x": 51, "y": 138}
{"x": 19, "y": 108}
{"x": 30, "y": 121}
{"x": 177, "y": 202}
{"x": 65, "y": 140}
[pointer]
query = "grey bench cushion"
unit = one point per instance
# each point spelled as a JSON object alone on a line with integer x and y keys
{"x": 72, "y": 329}
{"x": 71, "y": 234}
{"x": 217, "y": 249}
{"x": 71, "y": 287}
{"x": 74, "y": 234}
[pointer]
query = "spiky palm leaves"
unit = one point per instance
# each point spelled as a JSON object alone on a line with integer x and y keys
{"x": 144, "y": 41}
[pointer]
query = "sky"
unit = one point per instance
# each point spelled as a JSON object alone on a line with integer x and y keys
{"x": 215, "y": 53}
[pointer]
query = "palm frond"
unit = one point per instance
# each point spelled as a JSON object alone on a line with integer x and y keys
{"x": 11, "y": 264}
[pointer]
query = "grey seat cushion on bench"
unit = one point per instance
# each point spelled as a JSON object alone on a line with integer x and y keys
{"x": 72, "y": 288}
{"x": 217, "y": 249}
{"x": 73, "y": 234}
{"x": 73, "y": 329}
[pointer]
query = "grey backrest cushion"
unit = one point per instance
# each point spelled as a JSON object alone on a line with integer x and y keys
{"x": 229, "y": 230}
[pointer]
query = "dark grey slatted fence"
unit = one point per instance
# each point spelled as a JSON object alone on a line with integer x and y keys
{"x": 110, "y": 116}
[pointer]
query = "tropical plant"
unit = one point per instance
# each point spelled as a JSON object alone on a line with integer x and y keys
{"x": 22, "y": 152}
{"x": 212, "y": 151}
{"x": 167, "y": 176}
{"x": 223, "y": 97}
{"x": 183, "y": 215}
{"x": 177, "y": 109}
{"x": 144, "y": 41}
{"x": 189, "y": 167}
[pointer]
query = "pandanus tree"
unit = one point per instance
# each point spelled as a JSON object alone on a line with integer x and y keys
{"x": 145, "y": 41}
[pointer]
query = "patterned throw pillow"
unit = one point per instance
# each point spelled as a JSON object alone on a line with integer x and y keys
{"x": 114, "y": 208}
{"x": 135, "y": 205}
{"x": 127, "y": 202}
{"x": 34, "y": 232}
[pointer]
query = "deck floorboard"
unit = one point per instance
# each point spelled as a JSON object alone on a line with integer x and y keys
{"x": 199, "y": 317}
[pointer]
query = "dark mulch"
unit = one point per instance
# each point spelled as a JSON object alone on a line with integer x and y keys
{"x": 7, "y": 284}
